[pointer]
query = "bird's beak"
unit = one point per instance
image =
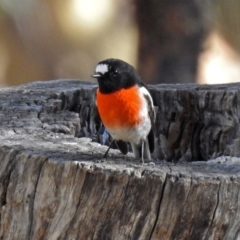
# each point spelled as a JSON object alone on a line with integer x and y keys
{"x": 96, "y": 75}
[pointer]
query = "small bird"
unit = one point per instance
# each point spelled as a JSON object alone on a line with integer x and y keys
{"x": 125, "y": 107}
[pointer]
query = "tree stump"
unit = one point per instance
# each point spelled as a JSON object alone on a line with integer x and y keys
{"x": 54, "y": 184}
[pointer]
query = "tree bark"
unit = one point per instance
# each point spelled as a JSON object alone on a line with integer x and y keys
{"x": 54, "y": 184}
{"x": 197, "y": 122}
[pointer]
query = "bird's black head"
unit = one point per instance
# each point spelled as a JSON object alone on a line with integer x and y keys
{"x": 114, "y": 74}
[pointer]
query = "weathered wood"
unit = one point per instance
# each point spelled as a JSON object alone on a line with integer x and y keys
{"x": 197, "y": 122}
{"x": 54, "y": 184}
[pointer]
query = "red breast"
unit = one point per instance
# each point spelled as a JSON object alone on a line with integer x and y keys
{"x": 120, "y": 108}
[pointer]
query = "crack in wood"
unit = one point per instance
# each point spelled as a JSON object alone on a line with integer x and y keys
{"x": 71, "y": 227}
{"x": 159, "y": 207}
{"x": 214, "y": 212}
{"x": 6, "y": 179}
{"x": 32, "y": 200}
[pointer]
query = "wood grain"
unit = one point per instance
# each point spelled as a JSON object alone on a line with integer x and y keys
{"x": 54, "y": 184}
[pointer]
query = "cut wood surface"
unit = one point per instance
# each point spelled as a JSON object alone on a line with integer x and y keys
{"x": 55, "y": 185}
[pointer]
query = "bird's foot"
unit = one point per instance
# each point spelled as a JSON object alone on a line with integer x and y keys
{"x": 149, "y": 163}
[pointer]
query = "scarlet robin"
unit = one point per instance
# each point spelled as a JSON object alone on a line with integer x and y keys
{"x": 125, "y": 107}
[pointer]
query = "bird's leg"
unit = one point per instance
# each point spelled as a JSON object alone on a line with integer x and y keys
{"x": 106, "y": 153}
{"x": 149, "y": 162}
{"x": 142, "y": 151}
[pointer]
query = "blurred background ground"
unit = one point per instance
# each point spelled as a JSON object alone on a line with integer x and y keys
{"x": 166, "y": 40}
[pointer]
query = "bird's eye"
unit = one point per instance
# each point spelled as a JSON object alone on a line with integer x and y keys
{"x": 115, "y": 73}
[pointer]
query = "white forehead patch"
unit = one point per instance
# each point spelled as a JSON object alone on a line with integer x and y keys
{"x": 101, "y": 68}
